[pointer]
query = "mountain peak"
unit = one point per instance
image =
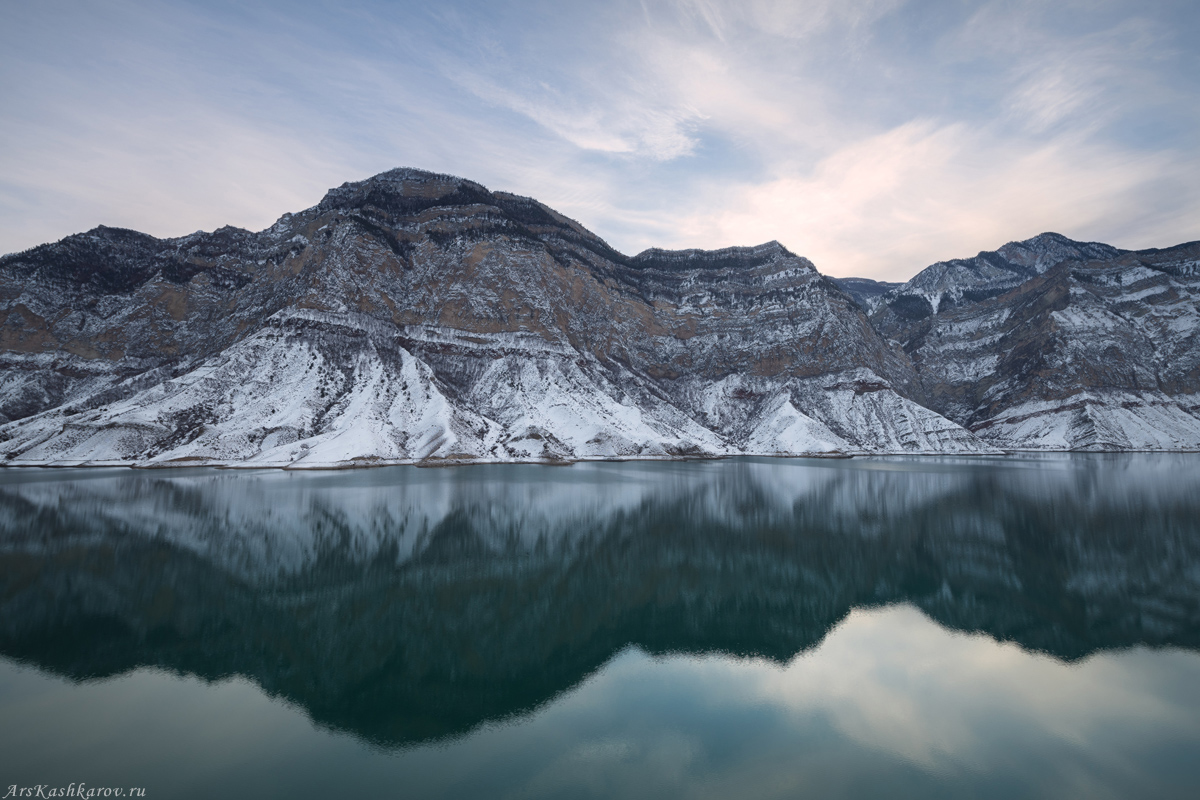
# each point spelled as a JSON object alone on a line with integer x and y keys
{"x": 405, "y": 190}
{"x": 993, "y": 271}
{"x": 1046, "y": 237}
{"x": 725, "y": 258}
{"x": 1047, "y": 249}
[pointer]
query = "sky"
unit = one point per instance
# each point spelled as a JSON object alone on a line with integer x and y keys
{"x": 873, "y": 136}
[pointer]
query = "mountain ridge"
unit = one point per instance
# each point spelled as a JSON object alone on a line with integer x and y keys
{"x": 420, "y": 318}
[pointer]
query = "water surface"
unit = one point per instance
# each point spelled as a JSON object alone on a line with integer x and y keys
{"x": 751, "y": 628}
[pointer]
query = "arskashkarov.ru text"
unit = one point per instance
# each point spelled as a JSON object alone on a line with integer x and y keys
{"x": 73, "y": 790}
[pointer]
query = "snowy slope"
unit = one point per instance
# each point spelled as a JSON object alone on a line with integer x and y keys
{"x": 322, "y": 396}
{"x": 421, "y": 318}
{"x": 1097, "y": 355}
{"x": 947, "y": 284}
{"x": 1108, "y": 421}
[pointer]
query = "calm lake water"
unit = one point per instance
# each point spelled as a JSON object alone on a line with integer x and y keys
{"x": 750, "y": 628}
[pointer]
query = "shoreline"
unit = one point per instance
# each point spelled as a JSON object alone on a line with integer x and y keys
{"x": 447, "y": 463}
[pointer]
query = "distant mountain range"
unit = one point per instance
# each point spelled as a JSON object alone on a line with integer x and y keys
{"x": 420, "y": 318}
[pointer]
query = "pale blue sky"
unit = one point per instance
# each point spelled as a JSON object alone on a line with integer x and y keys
{"x": 873, "y": 136}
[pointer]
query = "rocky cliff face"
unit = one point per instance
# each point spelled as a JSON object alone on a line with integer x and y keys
{"x": 420, "y": 317}
{"x": 415, "y": 317}
{"x": 963, "y": 281}
{"x": 866, "y": 292}
{"x": 1090, "y": 354}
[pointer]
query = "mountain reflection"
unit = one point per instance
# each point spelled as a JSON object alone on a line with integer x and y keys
{"x": 405, "y": 605}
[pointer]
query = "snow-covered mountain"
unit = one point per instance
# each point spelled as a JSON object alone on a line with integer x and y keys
{"x": 961, "y": 281}
{"x": 1096, "y": 354}
{"x": 415, "y": 317}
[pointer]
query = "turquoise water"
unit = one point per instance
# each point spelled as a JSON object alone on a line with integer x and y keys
{"x": 746, "y": 628}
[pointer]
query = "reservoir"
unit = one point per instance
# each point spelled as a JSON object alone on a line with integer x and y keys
{"x": 753, "y": 628}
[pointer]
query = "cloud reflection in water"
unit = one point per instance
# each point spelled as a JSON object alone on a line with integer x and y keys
{"x": 750, "y": 627}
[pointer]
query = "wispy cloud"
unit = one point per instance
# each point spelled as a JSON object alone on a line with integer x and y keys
{"x": 1046, "y": 78}
{"x": 921, "y": 193}
{"x": 629, "y": 124}
{"x": 873, "y": 136}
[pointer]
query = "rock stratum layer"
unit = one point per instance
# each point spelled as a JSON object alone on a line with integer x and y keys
{"x": 420, "y": 318}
